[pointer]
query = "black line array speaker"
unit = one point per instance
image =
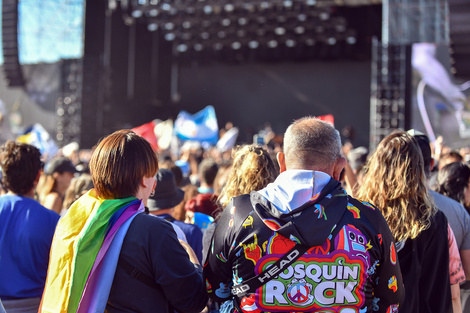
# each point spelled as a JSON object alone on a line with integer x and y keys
{"x": 11, "y": 65}
{"x": 459, "y": 29}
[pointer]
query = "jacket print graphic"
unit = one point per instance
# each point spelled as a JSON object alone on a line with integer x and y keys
{"x": 351, "y": 265}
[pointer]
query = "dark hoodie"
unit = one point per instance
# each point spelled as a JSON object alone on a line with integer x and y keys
{"x": 352, "y": 262}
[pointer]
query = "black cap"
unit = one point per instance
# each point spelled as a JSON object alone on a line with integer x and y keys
{"x": 424, "y": 144}
{"x": 167, "y": 194}
{"x": 60, "y": 165}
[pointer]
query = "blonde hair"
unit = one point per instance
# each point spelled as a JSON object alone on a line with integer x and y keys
{"x": 395, "y": 182}
{"x": 252, "y": 169}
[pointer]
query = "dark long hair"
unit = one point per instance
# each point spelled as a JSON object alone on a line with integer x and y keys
{"x": 452, "y": 180}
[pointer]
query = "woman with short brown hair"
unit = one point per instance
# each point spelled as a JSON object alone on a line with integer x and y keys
{"x": 109, "y": 254}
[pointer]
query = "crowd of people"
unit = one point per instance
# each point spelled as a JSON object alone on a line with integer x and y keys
{"x": 307, "y": 223}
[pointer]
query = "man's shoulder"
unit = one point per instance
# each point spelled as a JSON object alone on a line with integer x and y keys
{"x": 445, "y": 203}
{"x": 29, "y": 204}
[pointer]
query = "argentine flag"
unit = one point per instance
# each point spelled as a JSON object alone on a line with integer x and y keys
{"x": 201, "y": 126}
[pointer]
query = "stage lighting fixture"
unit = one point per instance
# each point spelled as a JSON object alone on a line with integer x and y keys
{"x": 272, "y": 44}
{"x": 137, "y": 13}
{"x": 280, "y": 31}
{"x": 288, "y": 4}
{"x": 207, "y": 9}
{"x": 170, "y": 36}
{"x": 186, "y": 24}
{"x": 250, "y": 7}
{"x": 169, "y": 26}
{"x": 225, "y": 22}
{"x": 310, "y": 42}
{"x": 291, "y": 43}
{"x": 236, "y": 45}
{"x": 235, "y": 25}
{"x": 166, "y": 7}
{"x": 351, "y": 40}
{"x": 71, "y": 110}
{"x": 152, "y": 13}
{"x": 299, "y": 30}
{"x": 242, "y": 21}
{"x": 253, "y": 44}
{"x": 302, "y": 17}
{"x": 340, "y": 28}
{"x": 324, "y": 16}
{"x": 181, "y": 48}
{"x": 152, "y": 27}
{"x": 264, "y": 5}
{"x": 229, "y": 8}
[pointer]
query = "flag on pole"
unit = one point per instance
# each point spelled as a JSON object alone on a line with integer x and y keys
{"x": 147, "y": 131}
{"x": 37, "y": 136}
{"x": 201, "y": 126}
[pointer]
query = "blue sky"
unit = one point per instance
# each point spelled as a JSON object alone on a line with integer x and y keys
{"x": 49, "y": 30}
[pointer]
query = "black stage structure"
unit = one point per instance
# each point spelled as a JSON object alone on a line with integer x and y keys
{"x": 282, "y": 60}
{"x": 254, "y": 61}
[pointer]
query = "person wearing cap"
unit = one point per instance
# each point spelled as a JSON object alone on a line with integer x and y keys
{"x": 52, "y": 185}
{"x": 26, "y": 230}
{"x": 166, "y": 196}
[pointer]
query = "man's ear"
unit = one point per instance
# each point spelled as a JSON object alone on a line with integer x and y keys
{"x": 431, "y": 166}
{"x": 340, "y": 163}
{"x": 281, "y": 160}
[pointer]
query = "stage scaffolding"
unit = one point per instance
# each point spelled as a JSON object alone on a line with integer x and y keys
{"x": 404, "y": 22}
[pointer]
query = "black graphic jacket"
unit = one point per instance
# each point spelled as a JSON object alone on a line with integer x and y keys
{"x": 352, "y": 264}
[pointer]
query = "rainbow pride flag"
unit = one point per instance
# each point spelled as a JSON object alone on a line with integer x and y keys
{"x": 85, "y": 252}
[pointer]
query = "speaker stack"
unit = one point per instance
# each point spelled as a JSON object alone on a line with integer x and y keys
{"x": 459, "y": 31}
{"x": 11, "y": 65}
